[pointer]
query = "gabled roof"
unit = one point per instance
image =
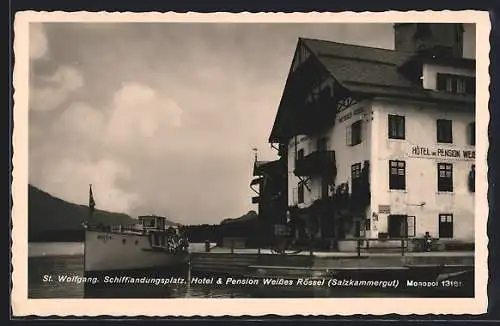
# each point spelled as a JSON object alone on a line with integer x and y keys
{"x": 347, "y": 62}
{"x": 369, "y": 71}
{"x": 354, "y": 64}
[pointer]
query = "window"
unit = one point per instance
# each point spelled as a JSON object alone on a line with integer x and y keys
{"x": 300, "y": 192}
{"x": 355, "y": 171}
{"x": 456, "y": 84}
{"x": 445, "y": 177}
{"x": 445, "y": 225}
{"x": 355, "y": 176}
{"x": 397, "y": 226}
{"x": 397, "y": 175}
{"x": 396, "y": 127}
{"x": 444, "y": 131}
{"x": 471, "y": 134}
{"x": 354, "y": 133}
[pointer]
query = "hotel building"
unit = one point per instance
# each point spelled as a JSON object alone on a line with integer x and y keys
{"x": 379, "y": 143}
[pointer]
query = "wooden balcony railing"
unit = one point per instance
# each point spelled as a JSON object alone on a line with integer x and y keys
{"x": 316, "y": 163}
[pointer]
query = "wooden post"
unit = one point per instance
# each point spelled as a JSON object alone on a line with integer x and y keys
{"x": 258, "y": 250}
{"x": 359, "y": 248}
{"x": 310, "y": 247}
{"x": 402, "y": 247}
{"x": 232, "y": 246}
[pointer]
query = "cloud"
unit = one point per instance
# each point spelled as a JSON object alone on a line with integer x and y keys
{"x": 38, "y": 41}
{"x": 138, "y": 115}
{"x": 49, "y": 92}
{"x": 85, "y": 144}
{"x": 80, "y": 123}
{"x": 69, "y": 178}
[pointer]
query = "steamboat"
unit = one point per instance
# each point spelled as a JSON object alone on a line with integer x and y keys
{"x": 152, "y": 243}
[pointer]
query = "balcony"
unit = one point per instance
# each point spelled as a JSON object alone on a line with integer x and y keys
{"x": 316, "y": 163}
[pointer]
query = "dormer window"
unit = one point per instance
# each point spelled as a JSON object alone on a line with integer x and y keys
{"x": 456, "y": 84}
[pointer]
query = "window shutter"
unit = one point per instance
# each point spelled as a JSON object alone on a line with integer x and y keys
{"x": 472, "y": 181}
{"x": 349, "y": 135}
{"x": 471, "y": 134}
{"x": 411, "y": 226}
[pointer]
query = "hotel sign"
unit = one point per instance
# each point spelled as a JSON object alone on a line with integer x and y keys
{"x": 446, "y": 153}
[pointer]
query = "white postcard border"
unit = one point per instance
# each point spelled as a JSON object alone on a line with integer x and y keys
{"x": 23, "y": 306}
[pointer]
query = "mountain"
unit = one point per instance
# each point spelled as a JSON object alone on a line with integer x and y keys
{"x": 53, "y": 219}
{"x": 249, "y": 217}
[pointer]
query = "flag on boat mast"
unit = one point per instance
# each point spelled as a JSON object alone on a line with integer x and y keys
{"x": 91, "y": 201}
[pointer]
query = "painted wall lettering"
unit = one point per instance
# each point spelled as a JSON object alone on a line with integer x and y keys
{"x": 349, "y": 115}
{"x": 345, "y": 117}
{"x": 423, "y": 151}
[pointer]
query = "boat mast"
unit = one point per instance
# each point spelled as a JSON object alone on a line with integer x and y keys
{"x": 86, "y": 223}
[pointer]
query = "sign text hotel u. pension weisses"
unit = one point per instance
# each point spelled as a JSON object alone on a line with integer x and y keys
{"x": 445, "y": 153}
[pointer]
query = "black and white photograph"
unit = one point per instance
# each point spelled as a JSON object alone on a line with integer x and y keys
{"x": 260, "y": 160}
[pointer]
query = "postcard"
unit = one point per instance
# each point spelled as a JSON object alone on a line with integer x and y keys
{"x": 188, "y": 164}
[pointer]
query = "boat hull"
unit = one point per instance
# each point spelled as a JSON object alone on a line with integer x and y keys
{"x": 112, "y": 252}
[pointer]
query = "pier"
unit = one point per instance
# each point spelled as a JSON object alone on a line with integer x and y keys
{"x": 389, "y": 264}
{"x": 242, "y": 261}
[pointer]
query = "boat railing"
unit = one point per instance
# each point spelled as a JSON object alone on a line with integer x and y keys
{"x": 115, "y": 228}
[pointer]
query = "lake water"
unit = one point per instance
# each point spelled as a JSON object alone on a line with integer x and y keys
{"x": 65, "y": 260}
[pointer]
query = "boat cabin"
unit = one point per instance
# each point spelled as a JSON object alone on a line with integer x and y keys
{"x": 152, "y": 222}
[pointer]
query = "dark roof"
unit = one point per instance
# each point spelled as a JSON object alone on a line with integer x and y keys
{"x": 370, "y": 71}
{"x": 354, "y": 65}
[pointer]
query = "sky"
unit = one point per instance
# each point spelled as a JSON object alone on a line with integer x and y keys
{"x": 161, "y": 118}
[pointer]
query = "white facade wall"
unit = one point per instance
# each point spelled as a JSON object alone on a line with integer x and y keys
{"x": 421, "y": 197}
{"x": 421, "y": 170}
{"x": 430, "y": 71}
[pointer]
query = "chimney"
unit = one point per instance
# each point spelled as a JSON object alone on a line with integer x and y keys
{"x": 441, "y": 39}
